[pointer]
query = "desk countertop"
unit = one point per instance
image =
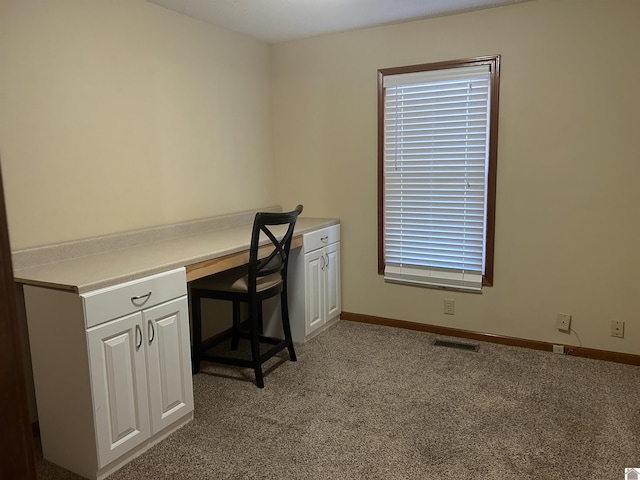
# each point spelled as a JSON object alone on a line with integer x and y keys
{"x": 111, "y": 267}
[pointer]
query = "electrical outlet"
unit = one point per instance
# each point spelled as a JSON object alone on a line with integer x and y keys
{"x": 449, "y": 306}
{"x": 558, "y": 349}
{"x": 563, "y": 322}
{"x": 617, "y": 329}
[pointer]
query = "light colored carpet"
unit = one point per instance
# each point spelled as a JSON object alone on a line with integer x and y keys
{"x": 372, "y": 402}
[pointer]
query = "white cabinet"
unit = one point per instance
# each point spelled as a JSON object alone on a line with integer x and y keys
{"x": 137, "y": 376}
{"x": 111, "y": 369}
{"x": 332, "y": 303}
{"x": 168, "y": 362}
{"x": 119, "y": 385}
{"x": 314, "y": 283}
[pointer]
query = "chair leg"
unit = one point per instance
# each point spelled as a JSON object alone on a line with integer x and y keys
{"x": 255, "y": 343}
{"x": 235, "y": 331}
{"x": 286, "y": 326}
{"x": 196, "y": 335}
{"x": 260, "y": 319}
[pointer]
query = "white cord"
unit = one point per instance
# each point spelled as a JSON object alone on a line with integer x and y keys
{"x": 570, "y": 351}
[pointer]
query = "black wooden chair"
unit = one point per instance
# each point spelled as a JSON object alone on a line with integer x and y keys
{"x": 265, "y": 276}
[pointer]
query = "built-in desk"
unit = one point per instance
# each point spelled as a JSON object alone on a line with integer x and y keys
{"x": 109, "y": 329}
{"x": 92, "y": 264}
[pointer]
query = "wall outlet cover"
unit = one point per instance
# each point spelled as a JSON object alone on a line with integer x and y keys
{"x": 617, "y": 328}
{"x": 449, "y": 306}
{"x": 563, "y": 322}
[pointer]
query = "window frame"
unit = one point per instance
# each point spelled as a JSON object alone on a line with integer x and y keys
{"x": 494, "y": 64}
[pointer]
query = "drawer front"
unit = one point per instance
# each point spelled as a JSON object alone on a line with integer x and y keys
{"x": 320, "y": 238}
{"x": 119, "y": 300}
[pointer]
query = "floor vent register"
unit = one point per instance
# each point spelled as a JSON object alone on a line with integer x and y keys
{"x": 457, "y": 345}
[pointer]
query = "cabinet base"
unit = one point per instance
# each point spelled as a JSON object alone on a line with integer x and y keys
{"x": 140, "y": 449}
{"x": 325, "y": 326}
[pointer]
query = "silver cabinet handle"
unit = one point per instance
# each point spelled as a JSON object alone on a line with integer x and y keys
{"x": 327, "y": 255}
{"x": 137, "y": 299}
{"x": 138, "y": 337}
{"x": 324, "y": 239}
{"x": 151, "y": 328}
{"x": 323, "y": 262}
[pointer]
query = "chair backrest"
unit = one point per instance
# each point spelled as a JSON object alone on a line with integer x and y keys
{"x": 277, "y": 260}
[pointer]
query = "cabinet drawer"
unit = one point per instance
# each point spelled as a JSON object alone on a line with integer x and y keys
{"x": 320, "y": 238}
{"x": 119, "y": 300}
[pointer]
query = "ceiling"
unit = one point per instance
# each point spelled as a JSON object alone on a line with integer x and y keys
{"x": 275, "y": 21}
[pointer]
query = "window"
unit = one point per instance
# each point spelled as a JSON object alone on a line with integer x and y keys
{"x": 437, "y": 150}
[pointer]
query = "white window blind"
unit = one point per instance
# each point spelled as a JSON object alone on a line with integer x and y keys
{"x": 436, "y": 146}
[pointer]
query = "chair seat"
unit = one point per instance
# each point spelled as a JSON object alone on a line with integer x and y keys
{"x": 236, "y": 280}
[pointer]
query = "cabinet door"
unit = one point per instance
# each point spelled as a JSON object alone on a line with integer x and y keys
{"x": 332, "y": 285}
{"x": 314, "y": 273}
{"x": 119, "y": 386}
{"x": 168, "y": 358}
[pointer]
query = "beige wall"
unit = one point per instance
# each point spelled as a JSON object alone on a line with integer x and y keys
{"x": 116, "y": 115}
{"x": 119, "y": 114}
{"x": 568, "y": 216}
